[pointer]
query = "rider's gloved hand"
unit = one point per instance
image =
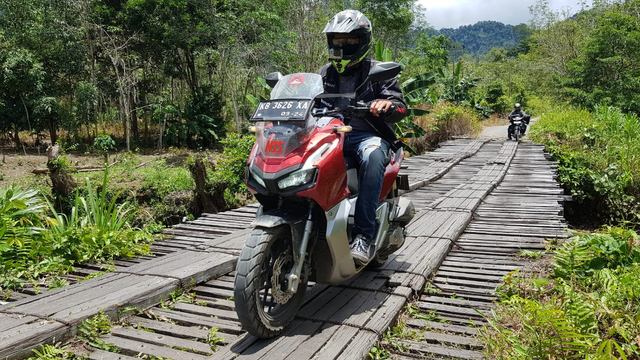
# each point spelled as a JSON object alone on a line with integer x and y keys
{"x": 380, "y": 106}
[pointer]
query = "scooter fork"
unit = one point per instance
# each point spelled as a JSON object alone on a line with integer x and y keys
{"x": 293, "y": 278}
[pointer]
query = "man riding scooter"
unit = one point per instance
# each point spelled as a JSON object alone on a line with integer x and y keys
{"x": 348, "y": 39}
{"x": 518, "y": 113}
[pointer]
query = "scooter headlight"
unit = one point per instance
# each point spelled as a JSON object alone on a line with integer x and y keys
{"x": 298, "y": 178}
{"x": 257, "y": 178}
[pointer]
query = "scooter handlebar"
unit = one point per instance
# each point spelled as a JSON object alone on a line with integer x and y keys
{"x": 359, "y": 109}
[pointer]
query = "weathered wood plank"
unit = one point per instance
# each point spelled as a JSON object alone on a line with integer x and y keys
{"x": 185, "y": 332}
{"x": 17, "y": 341}
{"x": 181, "y": 318}
{"x": 162, "y": 340}
{"x": 133, "y": 348}
{"x": 98, "y": 354}
{"x": 428, "y": 325}
{"x": 426, "y": 348}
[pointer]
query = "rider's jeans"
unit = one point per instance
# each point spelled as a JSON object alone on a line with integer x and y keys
{"x": 371, "y": 151}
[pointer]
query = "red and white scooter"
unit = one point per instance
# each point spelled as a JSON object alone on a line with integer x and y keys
{"x": 307, "y": 197}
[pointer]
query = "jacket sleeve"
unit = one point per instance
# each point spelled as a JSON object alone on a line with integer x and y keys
{"x": 390, "y": 90}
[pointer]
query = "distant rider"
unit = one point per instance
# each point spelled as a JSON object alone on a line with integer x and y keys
{"x": 348, "y": 38}
{"x": 517, "y": 112}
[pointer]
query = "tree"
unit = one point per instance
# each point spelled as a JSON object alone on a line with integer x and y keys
{"x": 21, "y": 83}
{"x": 608, "y": 70}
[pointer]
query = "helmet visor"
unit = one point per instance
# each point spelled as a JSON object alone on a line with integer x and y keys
{"x": 350, "y": 45}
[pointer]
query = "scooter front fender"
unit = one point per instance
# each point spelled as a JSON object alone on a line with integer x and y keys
{"x": 276, "y": 217}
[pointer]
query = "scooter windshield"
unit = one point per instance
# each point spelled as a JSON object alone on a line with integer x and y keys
{"x": 285, "y": 122}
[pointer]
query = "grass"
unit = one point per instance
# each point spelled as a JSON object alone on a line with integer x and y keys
{"x": 599, "y": 156}
{"x": 586, "y": 306}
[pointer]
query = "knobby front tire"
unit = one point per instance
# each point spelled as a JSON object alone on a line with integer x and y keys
{"x": 256, "y": 307}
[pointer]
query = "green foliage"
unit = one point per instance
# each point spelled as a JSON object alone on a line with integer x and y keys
{"x": 22, "y": 221}
{"x": 588, "y": 308}
{"x": 91, "y": 329}
{"x": 53, "y": 352}
{"x": 97, "y": 229}
{"x": 607, "y": 70}
{"x": 230, "y": 166}
{"x": 103, "y": 144}
{"x": 213, "y": 339}
{"x": 482, "y": 36}
{"x": 599, "y": 159}
{"x": 34, "y": 246}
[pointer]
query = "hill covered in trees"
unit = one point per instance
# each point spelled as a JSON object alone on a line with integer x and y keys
{"x": 482, "y": 36}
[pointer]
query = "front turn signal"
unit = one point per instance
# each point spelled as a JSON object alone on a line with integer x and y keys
{"x": 342, "y": 129}
{"x": 253, "y": 129}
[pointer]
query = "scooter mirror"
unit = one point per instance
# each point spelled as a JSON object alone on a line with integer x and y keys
{"x": 273, "y": 78}
{"x": 384, "y": 71}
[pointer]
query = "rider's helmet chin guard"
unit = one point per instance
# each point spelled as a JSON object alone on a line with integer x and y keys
{"x": 344, "y": 57}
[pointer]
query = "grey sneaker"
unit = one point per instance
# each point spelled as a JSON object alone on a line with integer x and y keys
{"x": 362, "y": 250}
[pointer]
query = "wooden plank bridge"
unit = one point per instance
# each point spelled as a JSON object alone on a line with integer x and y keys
{"x": 478, "y": 203}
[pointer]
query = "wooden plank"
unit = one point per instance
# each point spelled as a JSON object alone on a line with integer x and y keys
{"x": 428, "y": 325}
{"x": 133, "y": 348}
{"x": 287, "y": 343}
{"x": 188, "y": 266}
{"x": 206, "y": 311}
{"x": 359, "y": 347}
{"x": 426, "y": 300}
{"x": 18, "y": 341}
{"x": 162, "y": 340}
{"x": 181, "y": 318}
{"x": 474, "y": 275}
{"x": 455, "y": 340}
{"x": 454, "y": 310}
{"x": 336, "y": 344}
{"x": 232, "y": 351}
{"x": 390, "y": 309}
{"x": 312, "y": 344}
{"x": 426, "y": 348}
{"x": 185, "y": 332}
{"x": 97, "y": 354}
{"x": 85, "y": 301}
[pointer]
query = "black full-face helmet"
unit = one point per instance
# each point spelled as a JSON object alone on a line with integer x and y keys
{"x": 348, "y": 37}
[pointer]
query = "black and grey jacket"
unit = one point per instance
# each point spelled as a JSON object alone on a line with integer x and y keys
{"x": 390, "y": 89}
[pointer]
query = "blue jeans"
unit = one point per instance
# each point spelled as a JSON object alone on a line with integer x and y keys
{"x": 371, "y": 152}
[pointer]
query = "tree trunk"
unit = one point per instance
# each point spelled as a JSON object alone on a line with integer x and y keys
{"x": 53, "y": 130}
{"x": 16, "y": 138}
{"x": 63, "y": 183}
{"x": 205, "y": 201}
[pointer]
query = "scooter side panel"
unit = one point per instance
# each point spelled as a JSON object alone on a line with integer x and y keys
{"x": 337, "y": 239}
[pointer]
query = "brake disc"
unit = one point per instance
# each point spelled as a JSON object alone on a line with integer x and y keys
{"x": 279, "y": 295}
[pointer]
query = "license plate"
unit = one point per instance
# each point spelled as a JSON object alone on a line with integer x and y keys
{"x": 282, "y": 110}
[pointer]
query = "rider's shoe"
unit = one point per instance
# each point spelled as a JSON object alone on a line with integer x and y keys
{"x": 362, "y": 250}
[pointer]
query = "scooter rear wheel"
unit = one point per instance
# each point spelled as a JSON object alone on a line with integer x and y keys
{"x": 262, "y": 303}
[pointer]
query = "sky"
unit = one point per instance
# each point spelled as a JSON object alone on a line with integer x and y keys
{"x": 455, "y": 13}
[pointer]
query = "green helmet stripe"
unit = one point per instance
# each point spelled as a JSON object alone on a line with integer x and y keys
{"x": 341, "y": 65}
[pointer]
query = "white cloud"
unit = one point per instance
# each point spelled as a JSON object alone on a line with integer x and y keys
{"x": 455, "y": 13}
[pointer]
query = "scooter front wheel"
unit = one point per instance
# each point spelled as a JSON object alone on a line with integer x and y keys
{"x": 263, "y": 304}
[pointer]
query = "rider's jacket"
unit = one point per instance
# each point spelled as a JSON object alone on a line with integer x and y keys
{"x": 516, "y": 113}
{"x": 335, "y": 83}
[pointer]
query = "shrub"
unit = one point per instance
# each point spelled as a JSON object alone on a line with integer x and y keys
{"x": 588, "y": 308}
{"x": 230, "y": 167}
{"x": 445, "y": 122}
{"x": 103, "y": 144}
{"x": 599, "y": 158}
